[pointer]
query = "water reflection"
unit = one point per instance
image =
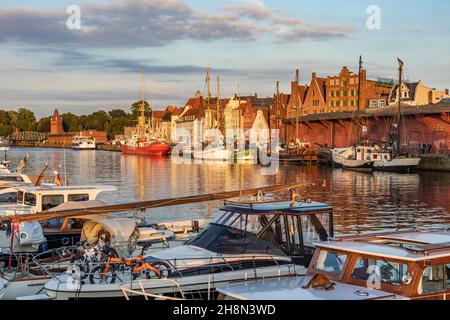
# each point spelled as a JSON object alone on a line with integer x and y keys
{"x": 363, "y": 202}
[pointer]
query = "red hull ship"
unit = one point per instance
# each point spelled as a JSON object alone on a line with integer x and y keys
{"x": 153, "y": 149}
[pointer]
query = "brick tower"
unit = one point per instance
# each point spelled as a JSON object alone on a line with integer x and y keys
{"x": 56, "y": 125}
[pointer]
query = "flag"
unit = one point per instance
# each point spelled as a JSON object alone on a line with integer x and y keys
{"x": 58, "y": 180}
{"x": 400, "y": 62}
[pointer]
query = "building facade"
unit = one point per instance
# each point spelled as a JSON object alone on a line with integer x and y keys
{"x": 417, "y": 94}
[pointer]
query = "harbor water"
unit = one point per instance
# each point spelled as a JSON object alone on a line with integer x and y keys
{"x": 362, "y": 202}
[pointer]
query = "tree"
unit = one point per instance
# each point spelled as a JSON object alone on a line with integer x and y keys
{"x": 117, "y": 114}
{"x": 136, "y": 109}
{"x": 43, "y": 125}
{"x": 71, "y": 122}
{"x": 26, "y": 121}
{"x": 98, "y": 120}
{"x": 118, "y": 125}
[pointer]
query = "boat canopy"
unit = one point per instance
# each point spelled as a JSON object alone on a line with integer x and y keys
{"x": 268, "y": 223}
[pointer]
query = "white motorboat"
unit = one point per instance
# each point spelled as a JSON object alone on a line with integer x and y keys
{"x": 254, "y": 237}
{"x": 34, "y": 237}
{"x": 384, "y": 266}
{"x": 83, "y": 143}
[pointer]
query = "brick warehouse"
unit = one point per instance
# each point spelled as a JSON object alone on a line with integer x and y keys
{"x": 426, "y": 124}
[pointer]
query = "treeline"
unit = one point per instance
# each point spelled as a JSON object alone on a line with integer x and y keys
{"x": 113, "y": 122}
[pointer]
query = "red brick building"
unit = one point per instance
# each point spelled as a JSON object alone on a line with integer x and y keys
{"x": 57, "y": 135}
{"x": 316, "y": 96}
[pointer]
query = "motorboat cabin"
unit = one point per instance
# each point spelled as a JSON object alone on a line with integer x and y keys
{"x": 398, "y": 265}
{"x": 35, "y": 237}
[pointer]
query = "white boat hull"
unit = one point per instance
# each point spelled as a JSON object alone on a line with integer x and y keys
{"x": 60, "y": 289}
{"x": 213, "y": 155}
{"x": 397, "y": 164}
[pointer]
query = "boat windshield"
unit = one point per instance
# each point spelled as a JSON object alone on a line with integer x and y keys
{"x": 224, "y": 240}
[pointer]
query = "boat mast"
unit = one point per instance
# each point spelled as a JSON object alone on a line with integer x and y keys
{"x": 141, "y": 119}
{"x": 219, "y": 118}
{"x": 297, "y": 79}
{"x": 359, "y": 100}
{"x": 400, "y": 83}
{"x": 278, "y": 106}
{"x": 208, "y": 84}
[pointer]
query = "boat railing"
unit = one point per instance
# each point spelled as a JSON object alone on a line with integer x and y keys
{"x": 256, "y": 273}
{"x": 127, "y": 292}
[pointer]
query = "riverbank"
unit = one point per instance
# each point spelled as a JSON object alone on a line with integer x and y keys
{"x": 430, "y": 162}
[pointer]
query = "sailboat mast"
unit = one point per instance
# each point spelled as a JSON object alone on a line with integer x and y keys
{"x": 297, "y": 79}
{"x": 208, "y": 86}
{"x": 219, "y": 124}
{"x": 400, "y": 84}
{"x": 359, "y": 100}
{"x": 141, "y": 120}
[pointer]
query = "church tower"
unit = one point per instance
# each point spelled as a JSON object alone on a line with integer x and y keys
{"x": 56, "y": 124}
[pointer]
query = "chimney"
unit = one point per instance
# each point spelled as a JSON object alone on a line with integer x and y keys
{"x": 314, "y": 75}
{"x": 297, "y": 76}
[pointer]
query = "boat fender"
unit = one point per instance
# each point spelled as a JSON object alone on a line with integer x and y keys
{"x": 65, "y": 241}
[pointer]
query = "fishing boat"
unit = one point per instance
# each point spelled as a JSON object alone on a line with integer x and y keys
{"x": 254, "y": 236}
{"x": 145, "y": 141}
{"x": 83, "y": 143}
{"x": 413, "y": 265}
{"x": 354, "y": 158}
{"x": 383, "y": 160}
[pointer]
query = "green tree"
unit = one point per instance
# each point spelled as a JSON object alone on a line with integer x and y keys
{"x": 118, "y": 125}
{"x": 26, "y": 121}
{"x": 43, "y": 125}
{"x": 98, "y": 120}
{"x": 118, "y": 113}
{"x": 136, "y": 109}
{"x": 71, "y": 122}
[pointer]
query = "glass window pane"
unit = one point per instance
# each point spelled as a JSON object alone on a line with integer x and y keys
{"x": 30, "y": 199}
{"x": 49, "y": 202}
{"x": 331, "y": 262}
{"x": 385, "y": 271}
{"x": 78, "y": 197}
{"x": 434, "y": 279}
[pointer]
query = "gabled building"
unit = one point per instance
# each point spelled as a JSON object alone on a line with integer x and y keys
{"x": 342, "y": 92}
{"x": 417, "y": 94}
{"x": 315, "y": 100}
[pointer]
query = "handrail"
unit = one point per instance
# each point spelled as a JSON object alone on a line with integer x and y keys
{"x": 126, "y": 291}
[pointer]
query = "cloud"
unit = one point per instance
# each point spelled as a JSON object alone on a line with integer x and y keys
{"x": 316, "y": 32}
{"x": 150, "y": 23}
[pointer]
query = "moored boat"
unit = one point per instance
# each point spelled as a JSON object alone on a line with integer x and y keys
{"x": 385, "y": 266}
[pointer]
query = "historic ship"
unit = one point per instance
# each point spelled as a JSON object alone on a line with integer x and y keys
{"x": 144, "y": 140}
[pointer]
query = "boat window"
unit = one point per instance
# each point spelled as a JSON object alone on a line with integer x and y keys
{"x": 11, "y": 178}
{"x": 223, "y": 240}
{"x": 315, "y": 228}
{"x": 78, "y": 197}
{"x": 9, "y": 197}
{"x": 386, "y": 272}
{"x": 30, "y": 199}
{"x": 434, "y": 279}
{"x": 20, "y": 196}
{"x": 49, "y": 202}
{"x": 331, "y": 262}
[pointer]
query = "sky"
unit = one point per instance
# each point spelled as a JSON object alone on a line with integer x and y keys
{"x": 251, "y": 44}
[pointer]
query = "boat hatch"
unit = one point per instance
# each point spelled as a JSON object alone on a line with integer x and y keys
{"x": 291, "y": 228}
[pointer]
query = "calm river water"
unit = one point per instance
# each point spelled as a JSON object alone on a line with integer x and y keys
{"x": 363, "y": 202}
